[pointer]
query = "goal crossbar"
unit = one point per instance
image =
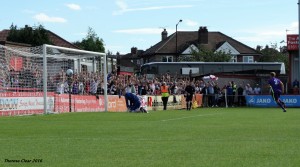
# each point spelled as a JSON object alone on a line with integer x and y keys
{"x": 88, "y": 54}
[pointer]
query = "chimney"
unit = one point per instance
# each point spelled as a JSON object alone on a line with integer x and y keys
{"x": 258, "y": 48}
{"x": 134, "y": 50}
{"x": 164, "y": 34}
{"x": 203, "y": 35}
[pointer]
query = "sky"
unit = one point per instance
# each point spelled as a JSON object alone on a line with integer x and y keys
{"x": 123, "y": 24}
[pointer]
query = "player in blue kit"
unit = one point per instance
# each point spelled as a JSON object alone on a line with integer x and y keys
{"x": 132, "y": 102}
{"x": 277, "y": 88}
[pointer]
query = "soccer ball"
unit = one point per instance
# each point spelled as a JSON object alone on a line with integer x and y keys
{"x": 69, "y": 72}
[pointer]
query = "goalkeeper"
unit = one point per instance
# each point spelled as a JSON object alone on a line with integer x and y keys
{"x": 132, "y": 102}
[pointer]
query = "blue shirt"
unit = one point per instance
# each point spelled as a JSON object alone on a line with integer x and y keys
{"x": 229, "y": 90}
{"x": 132, "y": 101}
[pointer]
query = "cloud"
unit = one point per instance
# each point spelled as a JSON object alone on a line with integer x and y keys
{"x": 191, "y": 23}
{"x": 44, "y": 18}
{"x": 266, "y": 35}
{"x": 272, "y": 31}
{"x": 121, "y": 4}
{"x": 139, "y": 31}
{"x": 293, "y": 28}
{"x": 123, "y": 7}
{"x": 73, "y": 6}
{"x": 149, "y": 31}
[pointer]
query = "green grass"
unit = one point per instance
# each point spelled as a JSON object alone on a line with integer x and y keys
{"x": 216, "y": 137}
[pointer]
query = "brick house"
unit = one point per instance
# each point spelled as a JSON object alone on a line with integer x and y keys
{"x": 54, "y": 38}
{"x": 130, "y": 63}
{"x": 165, "y": 50}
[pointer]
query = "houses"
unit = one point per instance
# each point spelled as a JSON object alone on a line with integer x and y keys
{"x": 171, "y": 48}
{"x": 165, "y": 50}
{"x": 130, "y": 63}
{"x": 54, "y": 38}
{"x": 177, "y": 45}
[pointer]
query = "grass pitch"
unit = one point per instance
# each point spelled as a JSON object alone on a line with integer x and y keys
{"x": 208, "y": 137}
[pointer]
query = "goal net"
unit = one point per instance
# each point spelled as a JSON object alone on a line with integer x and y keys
{"x": 43, "y": 69}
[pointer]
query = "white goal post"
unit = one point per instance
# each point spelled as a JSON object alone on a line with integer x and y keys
{"x": 72, "y": 51}
{"x": 32, "y": 78}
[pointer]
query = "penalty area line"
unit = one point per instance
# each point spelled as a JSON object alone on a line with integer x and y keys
{"x": 202, "y": 115}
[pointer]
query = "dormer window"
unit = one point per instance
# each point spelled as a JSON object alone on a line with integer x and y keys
{"x": 248, "y": 59}
{"x": 167, "y": 59}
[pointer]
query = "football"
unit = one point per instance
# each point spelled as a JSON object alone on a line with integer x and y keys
{"x": 69, "y": 72}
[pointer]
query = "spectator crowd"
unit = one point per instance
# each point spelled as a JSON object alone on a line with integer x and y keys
{"x": 92, "y": 83}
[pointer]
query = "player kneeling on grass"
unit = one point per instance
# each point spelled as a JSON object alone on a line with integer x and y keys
{"x": 277, "y": 88}
{"x": 133, "y": 103}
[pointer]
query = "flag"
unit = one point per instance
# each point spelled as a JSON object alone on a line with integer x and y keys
{"x": 210, "y": 78}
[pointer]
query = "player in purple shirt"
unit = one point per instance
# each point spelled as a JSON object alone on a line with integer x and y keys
{"x": 277, "y": 88}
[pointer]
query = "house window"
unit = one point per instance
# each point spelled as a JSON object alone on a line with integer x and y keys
{"x": 233, "y": 58}
{"x": 84, "y": 68}
{"x": 248, "y": 59}
{"x": 167, "y": 59}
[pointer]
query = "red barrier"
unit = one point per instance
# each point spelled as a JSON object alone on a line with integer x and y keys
{"x": 116, "y": 104}
{"x": 79, "y": 103}
{"x": 87, "y": 103}
{"x": 22, "y": 103}
{"x": 28, "y": 103}
{"x": 197, "y": 97}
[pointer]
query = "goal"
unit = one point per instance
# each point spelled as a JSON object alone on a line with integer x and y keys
{"x": 43, "y": 69}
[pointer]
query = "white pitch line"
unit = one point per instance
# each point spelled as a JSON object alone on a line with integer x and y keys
{"x": 187, "y": 117}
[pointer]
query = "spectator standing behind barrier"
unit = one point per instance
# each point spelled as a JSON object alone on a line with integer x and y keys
{"x": 130, "y": 89}
{"x": 296, "y": 84}
{"x": 66, "y": 86}
{"x": 164, "y": 94}
{"x": 229, "y": 90}
{"x": 174, "y": 88}
{"x": 234, "y": 88}
{"x": 204, "y": 92}
{"x": 211, "y": 94}
{"x": 248, "y": 89}
{"x": 60, "y": 87}
{"x": 216, "y": 94}
{"x": 190, "y": 91}
{"x": 241, "y": 97}
{"x": 75, "y": 87}
{"x": 144, "y": 89}
{"x": 140, "y": 86}
{"x": 257, "y": 90}
{"x": 93, "y": 86}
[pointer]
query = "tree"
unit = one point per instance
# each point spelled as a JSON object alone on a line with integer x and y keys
{"x": 272, "y": 54}
{"x": 28, "y": 35}
{"x": 91, "y": 42}
{"x": 206, "y": 55}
